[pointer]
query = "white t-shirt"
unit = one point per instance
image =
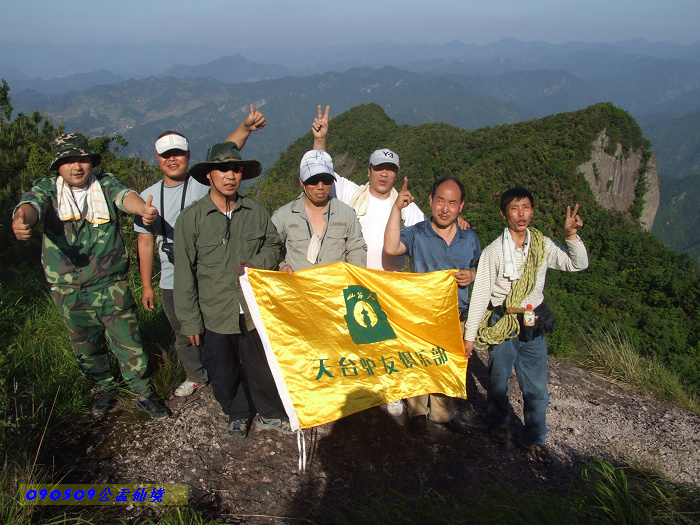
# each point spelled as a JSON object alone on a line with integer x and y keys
{"x": 173, "y": 200}
{"x": 374, "y": 223}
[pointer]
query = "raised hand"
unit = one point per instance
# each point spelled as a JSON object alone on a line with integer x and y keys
{"x": 255, "y": 120}
{"x": 320, "y": 125}
{"x": 150, "y": 213}
{"x": 404, "y": 198}
{"x": 572, "y": 223}
{"x": 20, "y": 226}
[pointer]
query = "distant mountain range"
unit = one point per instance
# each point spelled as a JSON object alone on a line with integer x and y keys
{"x": 139, "y": 91}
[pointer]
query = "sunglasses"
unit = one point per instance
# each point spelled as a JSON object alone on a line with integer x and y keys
{"x": 173, "y": 153}
{"x": 326, "y": 178}
{"x": 236, "y": 168}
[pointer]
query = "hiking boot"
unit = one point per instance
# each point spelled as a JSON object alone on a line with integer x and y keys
{"x": 455, "y": 425}
{"x": 537, "y": 453}
{"x": 238, "y": 428}
{"x": 187, "y": 388}
{"x": 418, "y": 424}
{"x": 105, "y": 401}
{"x": 500, "y": 435}
{"x": 152, "y": 406}
{"x": 281, "y": 425}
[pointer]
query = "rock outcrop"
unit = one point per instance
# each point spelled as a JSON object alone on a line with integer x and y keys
{"x": 614, "y": 178}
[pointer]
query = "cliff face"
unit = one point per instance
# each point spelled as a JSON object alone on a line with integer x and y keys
{"x": 614, "y": 178}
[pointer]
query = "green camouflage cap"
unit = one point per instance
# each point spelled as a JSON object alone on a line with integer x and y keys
{"x": 72, "y": 145}
{"x": 224, "y": 153}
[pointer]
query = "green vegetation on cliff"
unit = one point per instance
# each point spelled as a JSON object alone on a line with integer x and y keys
{"x": 650, "y": 292}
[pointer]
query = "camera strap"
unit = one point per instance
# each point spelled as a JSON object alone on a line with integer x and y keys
{"x": 162, "y": 205}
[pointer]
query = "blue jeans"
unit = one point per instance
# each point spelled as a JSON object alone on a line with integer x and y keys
{"x": 530, "y": 363}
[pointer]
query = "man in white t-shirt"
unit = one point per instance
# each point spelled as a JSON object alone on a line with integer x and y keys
{"x": 171, "y": 195}
{"x": 372, "y": 202}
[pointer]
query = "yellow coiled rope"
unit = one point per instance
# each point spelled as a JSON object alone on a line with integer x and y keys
{"x": 508, "y": 326}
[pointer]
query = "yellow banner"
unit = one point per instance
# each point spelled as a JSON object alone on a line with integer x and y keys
{"x": 341, "y": 339}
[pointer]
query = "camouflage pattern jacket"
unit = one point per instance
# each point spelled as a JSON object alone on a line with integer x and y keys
{"x": 78, "y": 254}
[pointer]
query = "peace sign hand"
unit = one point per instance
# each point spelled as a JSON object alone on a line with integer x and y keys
{"x": 573, "y": 222}
{"x": 320, "y": 125}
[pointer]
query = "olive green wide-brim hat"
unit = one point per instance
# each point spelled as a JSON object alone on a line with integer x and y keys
{"x": 72, "y": 145}
{"x": 224, "y": 153}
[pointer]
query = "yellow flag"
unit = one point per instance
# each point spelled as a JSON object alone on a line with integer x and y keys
{"x": 341, "y": 339}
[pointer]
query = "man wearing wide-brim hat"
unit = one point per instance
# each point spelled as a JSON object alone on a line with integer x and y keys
{"x": 171, "y": 194}
{"x": 86, "y": 263}
{"x": 216, "y": 238}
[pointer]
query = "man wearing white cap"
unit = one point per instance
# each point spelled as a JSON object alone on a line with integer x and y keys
{"x": 315, "y": 228}
{"x": 372, "y": 202}
{"x": 171, "y": 195}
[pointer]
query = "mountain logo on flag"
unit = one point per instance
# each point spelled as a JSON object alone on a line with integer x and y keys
{"x": 365, "y": 319}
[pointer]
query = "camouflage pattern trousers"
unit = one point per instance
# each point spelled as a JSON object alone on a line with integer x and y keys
{"x": 88, "y": 314}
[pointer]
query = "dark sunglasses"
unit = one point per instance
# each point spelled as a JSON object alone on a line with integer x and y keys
{"x": 173, "y": 153}
{"x": 326, "y": 178}
{"x": 236, "y": 168}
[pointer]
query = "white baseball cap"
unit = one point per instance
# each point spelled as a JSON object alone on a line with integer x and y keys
{"x": 171, "y": 141}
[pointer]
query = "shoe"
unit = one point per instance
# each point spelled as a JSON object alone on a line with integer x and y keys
{"x": 187, "y": 388}
{"x": 238, "y": 428}
{"x": 500, "y": 435}
{"x": 537, "y": 453}
{"x": 281, "y": 424}
{"x": 418, "y": 424}
{"x": 395, "y": 408}
{"x": 455, "y": 425}
{"x": 105, "y": 401}
{"x": 152, "y": 406}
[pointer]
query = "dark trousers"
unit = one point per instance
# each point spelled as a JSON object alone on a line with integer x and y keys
{"x": 227, "y": 358}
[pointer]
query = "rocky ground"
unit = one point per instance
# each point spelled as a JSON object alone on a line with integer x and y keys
{"x": 257, "y": 480}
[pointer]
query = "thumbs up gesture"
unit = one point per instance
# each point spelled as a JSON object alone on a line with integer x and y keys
{"x": 255, "y": 120}
{"x": 150, "y": 213}
{"x": 20, "y": 226}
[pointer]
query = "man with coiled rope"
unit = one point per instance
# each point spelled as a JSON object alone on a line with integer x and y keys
{"x": 510, "y": 277}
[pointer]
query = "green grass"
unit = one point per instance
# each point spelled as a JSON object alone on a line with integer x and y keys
{"x": 608, "y": 352}
{"x": 600, "y": 494}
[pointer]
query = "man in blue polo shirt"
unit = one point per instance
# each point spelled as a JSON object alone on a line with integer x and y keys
{"x": 436, "y": 244}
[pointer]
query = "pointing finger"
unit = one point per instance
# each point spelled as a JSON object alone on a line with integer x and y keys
{"x": 405, "y": 184}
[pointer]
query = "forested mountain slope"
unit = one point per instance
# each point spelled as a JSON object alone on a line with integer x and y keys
{"x": 633, "y": 282}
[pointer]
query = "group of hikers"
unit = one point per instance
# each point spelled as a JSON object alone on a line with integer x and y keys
{"x": 206, "y": 233}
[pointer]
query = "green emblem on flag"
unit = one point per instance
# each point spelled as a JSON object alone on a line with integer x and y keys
{"x": 366, "y": 321}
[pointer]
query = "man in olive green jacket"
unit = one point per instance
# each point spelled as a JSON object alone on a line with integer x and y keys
{"x": 216, "y": 238}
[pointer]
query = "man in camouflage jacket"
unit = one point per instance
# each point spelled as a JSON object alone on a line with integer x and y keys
{"x": 86, "y": 264}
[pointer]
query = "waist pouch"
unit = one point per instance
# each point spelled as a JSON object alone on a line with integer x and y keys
{"x": 544, "y": 324}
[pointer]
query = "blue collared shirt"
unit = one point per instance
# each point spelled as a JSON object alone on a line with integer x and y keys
{"x": 429, "y": 252}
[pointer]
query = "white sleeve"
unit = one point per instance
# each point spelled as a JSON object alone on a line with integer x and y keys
{"x": 482, "y": 288}
{"x": 413, "y": 215}
{"x": 343, "y": 189}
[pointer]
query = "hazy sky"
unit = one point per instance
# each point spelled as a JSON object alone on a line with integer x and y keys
{"x": 245, "y": 24}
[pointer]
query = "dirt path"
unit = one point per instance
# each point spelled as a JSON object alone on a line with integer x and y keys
{"x": 254, "y": 479}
